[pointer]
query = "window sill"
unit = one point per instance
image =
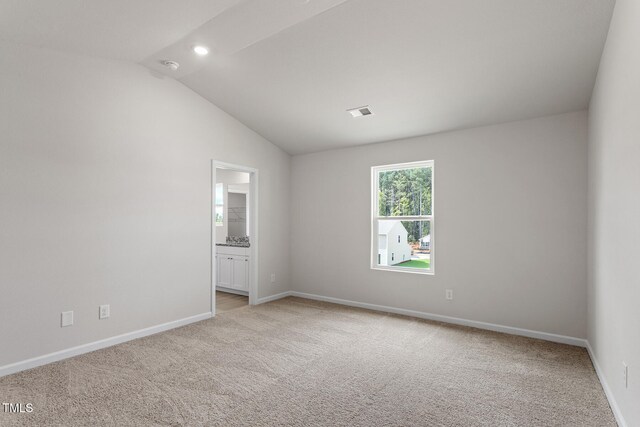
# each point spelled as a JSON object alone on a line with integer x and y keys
{"x": 405, "y": 270}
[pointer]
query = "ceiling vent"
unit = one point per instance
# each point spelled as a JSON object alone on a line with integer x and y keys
{"x": 172, "y": 65}
{"x": 360, "y": 111}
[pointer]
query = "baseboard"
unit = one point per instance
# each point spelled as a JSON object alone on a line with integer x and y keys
{"x": 97, "y": 345}
{"x": 563, "y": 339}
{"x": 274, "y": 297}
{"x": 607, "y": 391}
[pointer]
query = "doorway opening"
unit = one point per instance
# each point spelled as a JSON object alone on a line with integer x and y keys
{"x": 234, "y": 251}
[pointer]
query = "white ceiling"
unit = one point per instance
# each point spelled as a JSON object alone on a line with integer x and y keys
{"x": 290, "y": 68}
{"x": 116, "y": 29}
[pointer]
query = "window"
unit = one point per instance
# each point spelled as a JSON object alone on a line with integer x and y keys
{"x": 219, "y": 205}
{"x": 402, "y": 205}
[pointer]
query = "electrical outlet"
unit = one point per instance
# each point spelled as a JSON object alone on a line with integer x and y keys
{"x": 104, "y": 312}
{"x": 273, "y": 277}
{"x": 66, "y": 318}
{"x": 625, "y": 375}
{"x": 448, "y": 294}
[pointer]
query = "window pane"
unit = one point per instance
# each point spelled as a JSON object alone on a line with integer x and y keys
{"x": 219, "y": 215}
{"x": 404, "y": 244}
{"x": 405, "y": 192}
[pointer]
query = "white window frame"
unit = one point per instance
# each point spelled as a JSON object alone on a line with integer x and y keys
{"x": 375, "y": 217}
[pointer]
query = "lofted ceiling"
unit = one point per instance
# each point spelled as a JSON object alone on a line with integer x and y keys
{"x": 116, "y": 29}
{"x": 289, "y": 69}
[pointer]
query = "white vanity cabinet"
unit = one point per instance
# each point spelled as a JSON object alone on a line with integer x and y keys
{"x": 232, "y": 267}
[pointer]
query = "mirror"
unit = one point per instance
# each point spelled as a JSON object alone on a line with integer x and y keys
{"x": 237, "y": 214}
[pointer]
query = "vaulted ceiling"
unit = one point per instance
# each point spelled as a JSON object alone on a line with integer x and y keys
{"x": 289, "y": 69}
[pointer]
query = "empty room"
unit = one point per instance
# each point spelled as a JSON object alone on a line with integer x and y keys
{"x": 320, "y": 213}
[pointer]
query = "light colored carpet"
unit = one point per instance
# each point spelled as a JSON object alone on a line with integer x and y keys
{"x": 297, "y": 362}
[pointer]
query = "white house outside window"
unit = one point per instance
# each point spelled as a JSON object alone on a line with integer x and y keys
{"x": 402, "y": 207}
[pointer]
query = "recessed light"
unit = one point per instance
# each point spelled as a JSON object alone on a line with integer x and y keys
{"x": 360, "y": 111}
{"x": 200, "y": 50}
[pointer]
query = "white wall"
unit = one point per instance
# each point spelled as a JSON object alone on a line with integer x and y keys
{"x": 614, "y": 210}
{"x": 510, "y": 225}
{"x": 105, "y": 198}
{"x": 229, "y": 176}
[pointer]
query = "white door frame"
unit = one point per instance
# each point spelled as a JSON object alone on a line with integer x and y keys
{"x": 253, "y": 230}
